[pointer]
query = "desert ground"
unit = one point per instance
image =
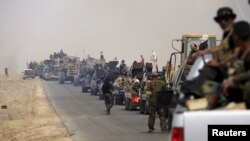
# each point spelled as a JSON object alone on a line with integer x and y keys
{"x": 26, "y": 114}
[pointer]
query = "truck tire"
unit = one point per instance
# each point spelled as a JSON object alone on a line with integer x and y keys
{"x": 116, "y": 100}
{"x": 127, "y": 104}
{"x": 120, "y": 99}
{"x": 61, "y": 78}
{"x": 62, "y": 81}
{"x": 83, "y": 89}
{"x": 93, "y": 92}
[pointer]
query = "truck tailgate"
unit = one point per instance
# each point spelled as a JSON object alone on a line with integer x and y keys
{"x": 196, "y": 122}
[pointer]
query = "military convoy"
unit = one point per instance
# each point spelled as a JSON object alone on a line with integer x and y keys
{"x": 90, "y": 73}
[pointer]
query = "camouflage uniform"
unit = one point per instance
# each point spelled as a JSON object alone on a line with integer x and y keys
{"x": 109, "y": 98}
{"x": 242, "y": 67}
{"x": 154, "y": 87}
{"x": 109, "y": 102}
{"x": 243, "y": 81}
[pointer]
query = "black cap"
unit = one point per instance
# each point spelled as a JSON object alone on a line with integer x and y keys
{"x": 224, "y": 12}
{"x": 242, "y": 30}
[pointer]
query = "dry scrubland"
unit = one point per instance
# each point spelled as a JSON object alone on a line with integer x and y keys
{"x": 28, "y": 115}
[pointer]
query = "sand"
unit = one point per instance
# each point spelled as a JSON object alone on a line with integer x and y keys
{"x": 26, "y": 114}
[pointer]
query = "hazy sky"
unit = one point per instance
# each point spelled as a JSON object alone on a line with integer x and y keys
{"x": 33, "y": 29}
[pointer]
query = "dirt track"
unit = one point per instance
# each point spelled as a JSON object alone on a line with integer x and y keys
{"x": 28, "y": 115}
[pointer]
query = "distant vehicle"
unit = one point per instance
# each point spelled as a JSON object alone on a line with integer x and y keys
{"x": 78, "y": 77}
{"x": 68, "y": 68}
{"x": 28, "y": 73}
{"x": 88, "y": 75}
{"x": 132, "y": 100}
{"x": 97, "y": 81}
{"x": 86, "y": 82}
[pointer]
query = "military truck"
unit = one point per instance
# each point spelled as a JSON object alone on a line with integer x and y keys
{"x": 132, "y": 99}
{"x": 88, "y": 72}
{"x": 176, "y": 76}
{"x": 28, "y": 73}
{"x": 34, "y": 66}
{"x": 68, "y": 68}
{"x": 112, "y": 73}
{"x": 97, "y": 80}
{"x": 49, "y": 70}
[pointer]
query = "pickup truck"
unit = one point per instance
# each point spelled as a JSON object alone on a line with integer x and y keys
{"x": 193, "y": 125}
{"x": 28, "y": 73}
{"x": 189, "y": 125}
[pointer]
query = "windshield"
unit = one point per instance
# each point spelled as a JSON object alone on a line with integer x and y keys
{"x": 198, "y": 42}
{"x": 28, "y": 72}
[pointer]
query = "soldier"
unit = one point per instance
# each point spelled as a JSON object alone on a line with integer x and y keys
{"x": 109, "y": 97}
{"x": 122, "y": 68}
{"x": 6, "y": 71}
{"x": 134, "y": 89}
{"x": 242, "y": 65}
{"x": 142, "y": 60}
{"x": 153, "y": 88}
{"x": 225, "y": 18}
{"x": 154, "y": 59}
{"x": 215, "y": 70}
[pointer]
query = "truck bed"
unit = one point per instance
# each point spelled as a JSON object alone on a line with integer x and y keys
{"x": 195, "y": 123}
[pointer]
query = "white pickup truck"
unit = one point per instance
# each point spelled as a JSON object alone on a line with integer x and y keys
{"x": 193, "y": 125}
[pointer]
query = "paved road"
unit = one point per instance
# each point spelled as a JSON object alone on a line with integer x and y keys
{"x": 84, "y": 117}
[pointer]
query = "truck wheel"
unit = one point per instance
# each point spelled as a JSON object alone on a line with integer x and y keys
{"x": 126, "y": 104}
{"x": 92, "y": 92}
{"x": 119, "y": 100}
{"x": 116, "y": 100}
{"x": 62, "y": 81}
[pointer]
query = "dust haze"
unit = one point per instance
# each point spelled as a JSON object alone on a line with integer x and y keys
{"x": 33, "y": 29}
